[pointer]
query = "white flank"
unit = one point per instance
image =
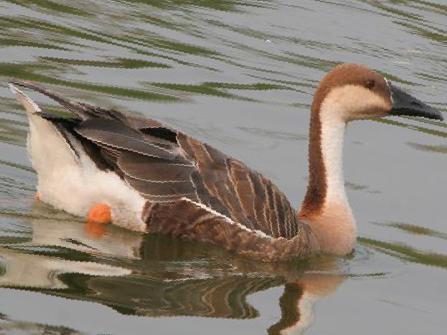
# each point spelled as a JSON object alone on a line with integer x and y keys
{"x": 72, "y": 183}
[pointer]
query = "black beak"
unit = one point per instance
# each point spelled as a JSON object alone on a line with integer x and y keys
{"x": 405, "y": 104}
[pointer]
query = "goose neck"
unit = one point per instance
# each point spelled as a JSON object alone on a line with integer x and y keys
{"x": 325, "y": 207}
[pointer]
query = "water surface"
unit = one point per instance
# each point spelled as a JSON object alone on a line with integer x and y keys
{"x": 239, "y": 75}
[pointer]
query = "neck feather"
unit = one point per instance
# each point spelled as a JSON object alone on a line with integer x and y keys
{"x": 332, "y": 138}
{"x": 326, "y": 180}
{"x": 325, "y": 206}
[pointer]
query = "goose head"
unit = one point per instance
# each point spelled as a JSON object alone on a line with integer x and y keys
{"x": 357, "y": 93}
{"x": 348, "y": 92}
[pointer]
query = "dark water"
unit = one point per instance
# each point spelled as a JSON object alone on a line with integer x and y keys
{"x": 239, "y": 75}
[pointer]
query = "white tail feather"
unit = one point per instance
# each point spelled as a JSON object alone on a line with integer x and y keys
{"x": 30, "y": 106}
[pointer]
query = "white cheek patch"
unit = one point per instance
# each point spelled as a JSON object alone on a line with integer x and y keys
{"x": 351, "y": 101}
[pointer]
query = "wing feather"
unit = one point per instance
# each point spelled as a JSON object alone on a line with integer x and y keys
{"x": 166, "y": 188}
{"x": 115, "y": 134}
{"x": 164, "y": 165}
{"x": 154, "y": 169}
{"x": 247, "y": 197}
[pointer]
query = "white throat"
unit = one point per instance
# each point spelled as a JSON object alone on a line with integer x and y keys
{"x": 332, "y": 137}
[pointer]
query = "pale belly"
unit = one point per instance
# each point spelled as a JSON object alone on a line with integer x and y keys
{"x": 74, "y": 184}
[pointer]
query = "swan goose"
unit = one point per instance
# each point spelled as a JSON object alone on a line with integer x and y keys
{"x": 145, "y": 176}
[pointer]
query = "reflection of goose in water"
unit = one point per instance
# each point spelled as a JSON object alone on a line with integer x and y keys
{"x": 298, "y": 299}
{"x": 90, "y": 239}
{"x": 156, "y": 276}
{"x": 30, "y": 264}
{"x": 20, "y": 269}
{"x": 8, "y": 326}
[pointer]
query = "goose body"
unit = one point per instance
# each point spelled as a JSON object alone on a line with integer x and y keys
{"x": 156, "y": 179}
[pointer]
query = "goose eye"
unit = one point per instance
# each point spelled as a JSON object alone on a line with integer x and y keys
{"x": 369, "y": 84}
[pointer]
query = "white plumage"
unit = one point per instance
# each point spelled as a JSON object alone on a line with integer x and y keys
{"x": 74, "y": 183}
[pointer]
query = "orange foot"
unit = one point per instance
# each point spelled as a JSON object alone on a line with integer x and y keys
{"x": 98, "y": 216}
{"x": 100, "y": 213}
{"x": 37, "y": 197}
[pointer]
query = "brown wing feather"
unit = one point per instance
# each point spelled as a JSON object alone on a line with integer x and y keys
{"x": 197, "y": 223}
{"x": 115, "y": 134}
{"x": 191, "y": 169}
{"x": 165, "y": 166}
{"x": 249, "y": 198}
{"x": 154, "y": 169}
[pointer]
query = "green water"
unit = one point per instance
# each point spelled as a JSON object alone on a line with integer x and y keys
{"x": 239, "y": 75}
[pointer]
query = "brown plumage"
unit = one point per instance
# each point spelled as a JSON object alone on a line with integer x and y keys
{"x": 186, "y": 188}
{"x": 183, "y": 179}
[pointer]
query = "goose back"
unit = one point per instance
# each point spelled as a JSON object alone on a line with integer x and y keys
{"x": 192, "y": 189}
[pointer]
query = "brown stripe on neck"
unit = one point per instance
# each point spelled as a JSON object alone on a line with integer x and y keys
{"x": 317, "y": 186}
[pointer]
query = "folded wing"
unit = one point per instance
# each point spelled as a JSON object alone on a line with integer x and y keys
{"x": 165, "y": 165}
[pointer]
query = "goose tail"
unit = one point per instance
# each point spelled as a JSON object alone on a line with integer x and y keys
{"x": 30, "y": 106}
{"x": 49, "y": 134}
{"x": 77, "y": 108}
{"x": 82, "y": 111}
